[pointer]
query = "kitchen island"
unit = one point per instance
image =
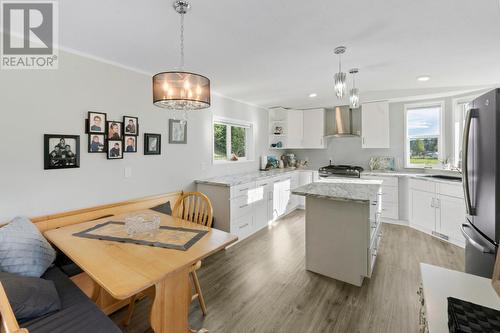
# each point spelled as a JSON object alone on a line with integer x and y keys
{"x": 342, "y": 227}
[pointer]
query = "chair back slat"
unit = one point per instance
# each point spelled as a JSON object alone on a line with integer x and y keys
{"x": 194, "y": 207}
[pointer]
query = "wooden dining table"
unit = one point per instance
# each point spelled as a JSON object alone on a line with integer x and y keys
{"x": 126, "y": 269}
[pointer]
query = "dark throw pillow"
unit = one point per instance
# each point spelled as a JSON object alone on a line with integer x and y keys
{"x": 163, "y": 208}
{"x": 30, "y": 297}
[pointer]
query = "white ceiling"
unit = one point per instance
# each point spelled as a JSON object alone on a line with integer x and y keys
{"x": 277, "y": 52}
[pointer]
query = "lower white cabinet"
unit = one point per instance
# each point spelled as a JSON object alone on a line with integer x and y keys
{"x": 390, "y": 196}
{"x": 244, "y": 209}
{"x": 437, "y": 208}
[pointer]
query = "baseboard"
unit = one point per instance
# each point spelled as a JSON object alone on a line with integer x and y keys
{"x": 398, "y": 222}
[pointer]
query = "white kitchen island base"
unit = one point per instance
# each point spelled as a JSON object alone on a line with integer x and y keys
{"x": 342, "y": 228}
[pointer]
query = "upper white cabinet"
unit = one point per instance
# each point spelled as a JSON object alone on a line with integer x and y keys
{"x": 375, "y": 125}
{"x": 314, "y": 128}
{"x": 296, "y": 129}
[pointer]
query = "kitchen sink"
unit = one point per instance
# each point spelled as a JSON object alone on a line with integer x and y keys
{"x": 445, "y": 177}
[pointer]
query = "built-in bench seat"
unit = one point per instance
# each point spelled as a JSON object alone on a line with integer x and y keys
{"x": 78, "y": 313}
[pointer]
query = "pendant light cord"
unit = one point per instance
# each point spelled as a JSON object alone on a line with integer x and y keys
{"x": 182, "y": 41}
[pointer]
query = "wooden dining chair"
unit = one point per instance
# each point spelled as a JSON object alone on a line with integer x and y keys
{"x": 197, "y": 208}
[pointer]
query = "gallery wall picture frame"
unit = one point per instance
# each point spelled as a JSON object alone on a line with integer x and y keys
{"x": 114, "y": 130}
{"x": 96, "y": 122}
{"x": 114, "y": 150}
{"x": 97, "y": 143}
{"x": 131, "y": 125}
{"x": 177, "y": 131}
{"x": 61, "y": 151}
{"x": 130, "y": 144}
{"x": 152, "y": 144}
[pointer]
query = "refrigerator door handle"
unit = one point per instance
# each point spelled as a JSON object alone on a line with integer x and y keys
{"x": 472, "y": 113}
{"x": 473, "y": 242}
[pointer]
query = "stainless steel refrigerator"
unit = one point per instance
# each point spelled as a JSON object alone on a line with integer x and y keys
{"x": 481, "y": 181}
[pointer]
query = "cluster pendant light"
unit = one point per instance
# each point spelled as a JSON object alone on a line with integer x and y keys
{"x": 354, "y": 93}
{"x": 341, "y": 81}
{"x": 340, "y": 77}
{"x": 181, "y": 90}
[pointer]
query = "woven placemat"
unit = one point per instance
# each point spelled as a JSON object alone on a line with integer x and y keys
{"x": 176, "y": 238}
{"x": 467, "y": 317}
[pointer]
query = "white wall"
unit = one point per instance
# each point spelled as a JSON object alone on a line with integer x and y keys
{"x": 38, "y": 102}
{"x": 348, "y": 150}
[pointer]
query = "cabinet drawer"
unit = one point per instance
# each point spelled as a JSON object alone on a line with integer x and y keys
{"x": 423, "y": 185}
{"x": 240, "y": 206}
{"x": 373, "y": 252}
{"x": 264, "y": 182}
{"x": 243, "y": 226}
{"x": 375, "y": 210}
{"x": 241, "y": 190}
{"x": 387, "y": 181}
{"x": 390, "y": 210}
{"x": 452, "y": 190}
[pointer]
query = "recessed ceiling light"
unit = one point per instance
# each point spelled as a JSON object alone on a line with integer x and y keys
{"x": 423, "y": 78}
{"x": 312, "y": 95}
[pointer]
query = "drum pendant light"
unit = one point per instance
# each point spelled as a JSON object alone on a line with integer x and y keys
{"x": 180, "y": 90}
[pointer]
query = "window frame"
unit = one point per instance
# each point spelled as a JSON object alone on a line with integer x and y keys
{"x": 457, "y": 145}
{"x": 249, "y": 142}
{"x": 441, "y": 138}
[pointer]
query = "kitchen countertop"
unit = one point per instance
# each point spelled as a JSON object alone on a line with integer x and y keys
{"x": 440, "y": 283}
{"x": 243, "y": 178}
{"x": 344, "y": 189}
{"x": 415, "y": 174}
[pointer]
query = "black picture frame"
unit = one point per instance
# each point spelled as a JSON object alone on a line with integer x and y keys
{"x": 90, "y": 118}
{"x": 108, "y": 125}
{"x": 171, "y": 138}
{"x": 125, "y": 144}
{"x": 147, "y": 150}
{"x": 110, "y": 153}
{"x": 103, "y": 141}
{"x": 126, "y": 120}
{"x": 55, "y": 160}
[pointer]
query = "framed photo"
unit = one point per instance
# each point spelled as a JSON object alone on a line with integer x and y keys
{"x": 152, "y": 144}
{"x": 130, "y": 144}
{"x": 131, "y": 125}
{"x": 97, "y": 143}
{"x": 115, "y": 130}
{"x": 96, "y": 122}
{"x": 177, "y": 131}
{"x": 61, "y": 151}
{"x": 115, "y": 149}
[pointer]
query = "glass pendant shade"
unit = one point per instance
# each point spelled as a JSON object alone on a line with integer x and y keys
{"x": 181, "y": 91}
{"x": 354, "y": 98}
{"x": 340, "y": 84}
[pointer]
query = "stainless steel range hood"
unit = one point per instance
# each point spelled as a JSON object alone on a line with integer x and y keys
{"x": 342, "y": 121}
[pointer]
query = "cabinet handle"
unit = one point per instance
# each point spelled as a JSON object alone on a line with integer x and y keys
{"x": 244, "y": 206}
{"x": 243, "y": 226}
{"x": 363, "y": 140}
{"x": 244, "y": 189}
{"x": 263, "y": 184}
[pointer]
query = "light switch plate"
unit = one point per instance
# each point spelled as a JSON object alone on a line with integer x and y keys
{"x": 128, "y": 172}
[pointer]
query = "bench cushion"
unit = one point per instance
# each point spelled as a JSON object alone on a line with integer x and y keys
{"x": 78, "y": 313}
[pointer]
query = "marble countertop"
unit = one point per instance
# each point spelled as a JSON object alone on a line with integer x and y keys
{"x": 415, "y": 174}
{"x": 243, "y": 178}
{"x": 344, "y": 189}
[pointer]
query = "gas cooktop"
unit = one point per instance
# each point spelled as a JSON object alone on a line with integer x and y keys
{"x": 340, "y": 171}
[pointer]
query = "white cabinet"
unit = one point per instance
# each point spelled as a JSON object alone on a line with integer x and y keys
{"x": 314, "y": 128}
{"x": 246, "y": 208}
{"x": 389, "y": 197}
{"x": 300, "y": 129}
{"x": 422, "y": 210}
{"x": 295, "y": 128}
{"x": 375, "y": 125}
{"x": 438, "y": 209}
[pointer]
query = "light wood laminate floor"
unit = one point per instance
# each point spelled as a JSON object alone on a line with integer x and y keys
{"x": 260, "y": 285}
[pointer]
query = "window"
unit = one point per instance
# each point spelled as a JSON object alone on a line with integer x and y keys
{"x": 424, "y": 133}
{"x": 460, "y": 108}
{"x": 232, "y": 140}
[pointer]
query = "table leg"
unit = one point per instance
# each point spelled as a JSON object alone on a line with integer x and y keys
{"x": 170, "y": 310}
